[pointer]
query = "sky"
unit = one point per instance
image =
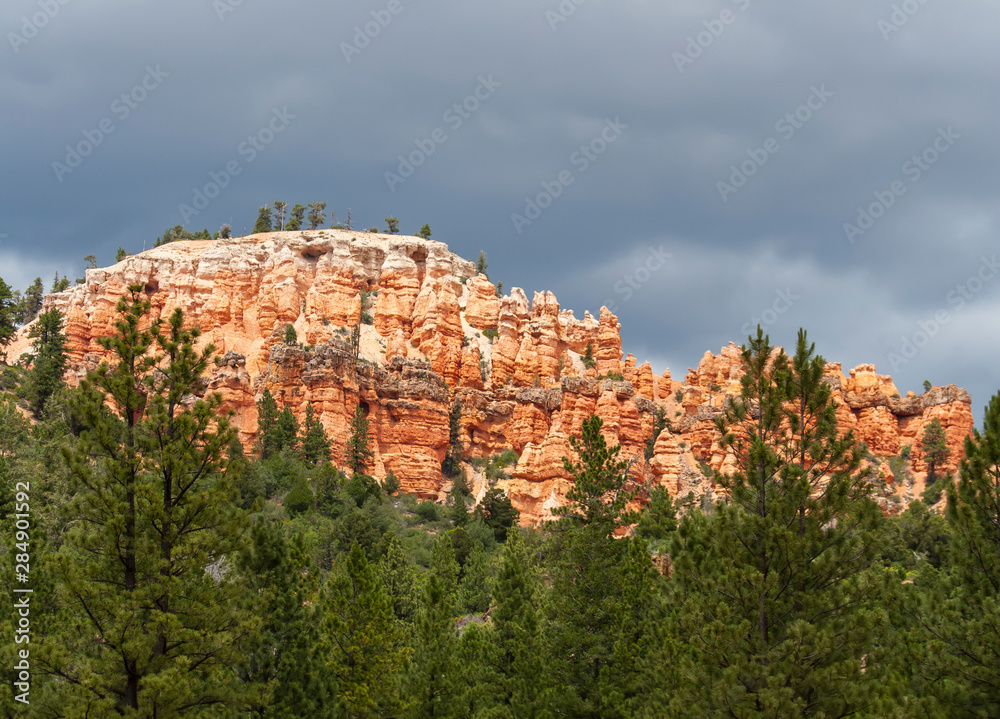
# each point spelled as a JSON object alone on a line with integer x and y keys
{"x": 699, "y": 167}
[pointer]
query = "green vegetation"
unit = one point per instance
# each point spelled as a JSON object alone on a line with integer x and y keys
{"x": 177, "y": 233}
{"x": 934, "y": 448}
{"x": 424, "y": 232}
{"x": 588, "y": 356}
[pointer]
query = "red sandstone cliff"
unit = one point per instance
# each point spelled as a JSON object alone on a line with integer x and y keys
{"x": 527, "y": 389}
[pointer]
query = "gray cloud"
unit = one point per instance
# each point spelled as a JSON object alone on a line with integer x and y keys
{"x": 656, "y": 184}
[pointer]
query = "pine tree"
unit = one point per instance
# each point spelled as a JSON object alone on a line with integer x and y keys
{"x": 934, "y": 447}
{"x": 780, "y": 600}
{"x": 392, "y": 225}
{"x": 445, "y": 566}
{"x": 316, "y": 214}
{"x": 263, "y": 223}
{"x": 658, "y": 519}
{"x": 660, "y": 423}
{"x": 474, "y": 586}
{"x": 9, "y": 312}
{"x": 399, "y": 578}
{"x": 280, "y": 208}
{"x": 359, "y": 451}
{"x": 424, "y": 232}
{"x": 152, "y": 508}
{"x": 291, "y": 338}
{"x": 512, "y": 660}
{"x": 296, "y": 218}
{"x": 588, "y": 356}
{"x": 32, "y": 301}
{"x": 364, "y": 645}
{"x": 452, "y": 460}
{"x": 957, "y": 647}
{"x": 282, "y": 664}
{"x": 49, "y": 363}
{"x": 458, "y": 510}
{"x": 435, "y": 678}
{"x": 598, "y": 583}
{"x": 315, "y": 443}
{"x": 266, "y": 444}
{"x": 498, "y": 513}
{"x": 481, "y": 264}
{"x": 286, "y": 430}
{"x": 299, "y": 499}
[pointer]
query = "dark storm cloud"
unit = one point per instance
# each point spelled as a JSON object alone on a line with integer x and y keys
{"x": 698, "y": 89}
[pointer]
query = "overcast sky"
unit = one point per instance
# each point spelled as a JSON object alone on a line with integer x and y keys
{"x": 691, "y": 165}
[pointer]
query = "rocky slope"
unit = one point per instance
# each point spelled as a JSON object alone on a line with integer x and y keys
{"x": 427, "y": 321}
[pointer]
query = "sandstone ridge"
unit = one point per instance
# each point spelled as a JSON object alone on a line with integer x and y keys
{"x": 433, "y": 330}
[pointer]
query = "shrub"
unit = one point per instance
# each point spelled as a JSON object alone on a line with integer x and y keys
{"x": 678, "y": 395}
{"x": 428, "y": 511}
{"x": 905, "y": 452}
{"x": 490, "y": 334}
{"x": 391, "y": 484}
{"x": 300, "y": 499}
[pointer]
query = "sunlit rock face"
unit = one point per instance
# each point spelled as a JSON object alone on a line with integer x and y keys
{"x": 433, "y": 330}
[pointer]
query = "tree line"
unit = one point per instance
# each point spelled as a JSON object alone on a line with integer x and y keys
{"x": 177, "y": 573}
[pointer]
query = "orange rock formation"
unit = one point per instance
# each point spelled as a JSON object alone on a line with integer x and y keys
{"x": 527, "y": 389}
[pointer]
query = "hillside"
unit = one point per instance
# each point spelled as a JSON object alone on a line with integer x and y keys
{"x": 432, "y": 330}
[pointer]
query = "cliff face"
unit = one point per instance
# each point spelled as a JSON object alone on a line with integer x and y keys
{"x": 425, "y": 317}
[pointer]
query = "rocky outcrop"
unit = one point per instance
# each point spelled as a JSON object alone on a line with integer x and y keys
{"x": 432, "y": 330}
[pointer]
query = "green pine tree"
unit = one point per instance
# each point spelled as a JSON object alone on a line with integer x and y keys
{"x": 453, "y": 457}
{"x": 512, "y": 665}
{"x": 32, "y": 301}
{"x": 286, "y": 430}
{"x": 399, "y": 578}
{"x": 588, "y": 356}
{"x": 296, "y": 217}
{"x": 600, "y": 584}
{"x": 263, "y": 223}
{"x": 934, "y": 448}
{"x": 10, "y": 312}
{"x": 780, "y": 600}
{"x": 316, "y": 215}
{"x": 266, "y": 444}
{"x": 956, "y": 650}
{"x": 364, "y": 644}
{"x": 435, "y": 681}
{"x": 359, "y": 451}
{"x": 282, "y": 667}
{"x": 49, "y": 363}
{"x": 315, "y": 444}
{"x": 144, "y": 629}
{"x": 474, "y": 587}
{"x": 444, "y": 565}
